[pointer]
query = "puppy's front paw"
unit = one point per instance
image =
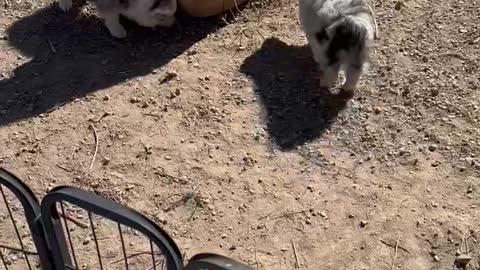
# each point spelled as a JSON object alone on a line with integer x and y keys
{"x": 349, "y": 87}
{"x": 65, "y": 5}
{"x": 117, "y": 31}
{"x": 346, "y": 93}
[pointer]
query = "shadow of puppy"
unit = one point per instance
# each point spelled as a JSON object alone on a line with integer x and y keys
{"x": 297, "y": 111}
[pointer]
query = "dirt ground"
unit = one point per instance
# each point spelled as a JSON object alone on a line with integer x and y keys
{"x": 226, "y": 109}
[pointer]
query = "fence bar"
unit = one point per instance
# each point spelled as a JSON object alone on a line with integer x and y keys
{"x": 31, "y": 209}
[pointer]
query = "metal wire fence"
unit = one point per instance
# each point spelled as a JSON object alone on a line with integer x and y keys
{"x": 75, "y": 229}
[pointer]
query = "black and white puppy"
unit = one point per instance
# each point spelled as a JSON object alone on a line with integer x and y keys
{"x": 339, "y": 33}
{"x": 147, "y": 13}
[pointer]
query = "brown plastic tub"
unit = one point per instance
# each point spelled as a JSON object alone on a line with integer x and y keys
{"x": 207, "y": 8}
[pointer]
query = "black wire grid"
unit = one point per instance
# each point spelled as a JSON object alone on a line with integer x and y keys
{"x": 56, "y": 240}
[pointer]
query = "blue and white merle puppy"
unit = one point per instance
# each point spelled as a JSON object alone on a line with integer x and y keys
{"x": 339, "y": 33}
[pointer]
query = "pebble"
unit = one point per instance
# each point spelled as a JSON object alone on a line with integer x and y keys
{"x": 86, "y": 240}
{"x": 105, "y": 161}
{"x": 432, "y": 147}
{"x": 323, "y": 214}
{"x": 134, "y": 100}
{"x": 224, "y": 236}
{"x": 168, "y": 157}
{"x": 436, "y": 258}
{"x": 363, "y": 223}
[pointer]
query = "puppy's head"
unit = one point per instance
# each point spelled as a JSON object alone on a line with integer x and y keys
{"x": 343, "y": 36}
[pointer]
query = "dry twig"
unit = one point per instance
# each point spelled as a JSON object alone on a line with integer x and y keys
{"x": 64, "y": 168}
{"x": 297, "y": 264}
{"x": 286, "y": 214}
{"x": 395, "y": 255}
{"x": 18, "y": 250}
{"x": 393, "y": 246}
{"x": 374, "y": 21}
{"x": 72, "y": 219}
{"x": 52, "y": 48}
{"x": 96, "y": 146}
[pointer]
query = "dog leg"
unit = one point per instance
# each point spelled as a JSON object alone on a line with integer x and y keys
{"x": 65, "y": 5}
{"x": 112, "y": 22}
{"x": 329, "y": 76}
{"x": 352, "y": 75}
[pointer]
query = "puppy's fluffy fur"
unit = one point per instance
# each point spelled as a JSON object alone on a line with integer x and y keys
{"x": 148, "y": 13}
{"x": 339, "y": 33}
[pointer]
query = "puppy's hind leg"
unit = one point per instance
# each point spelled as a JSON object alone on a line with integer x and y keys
{"x": 112, "y": 22}
{"x": 65, "y": 5}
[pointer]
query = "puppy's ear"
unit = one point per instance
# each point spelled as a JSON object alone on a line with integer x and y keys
{"x": 164, "y": 7}
{"x": 322, "y": 36}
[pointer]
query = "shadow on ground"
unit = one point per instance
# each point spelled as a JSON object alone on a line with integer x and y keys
{"x": 297, "y": 111}
{"x": 73, "y": 56}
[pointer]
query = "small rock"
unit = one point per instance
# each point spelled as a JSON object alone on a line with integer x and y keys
{"x": 432, "y": 147}
{"x": 284, "y": 249}
{"x": 86, "y": 240}
{"x": 308, "y": 221}
{"x": 363, "y": 223}
{"x": 398, "y": 5}
{"x": 106, "y": 97}
{"x": 323, "y": 214}
{"x": 436, "y": 258}
{"x": 232, "y": 248}
{"x": 134, "y": 100}
{"x": 224, "y": 236}
{"x": 351, "y": 216}
{"x": 105, "y": 161}
{"x": 168, "y": 157}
